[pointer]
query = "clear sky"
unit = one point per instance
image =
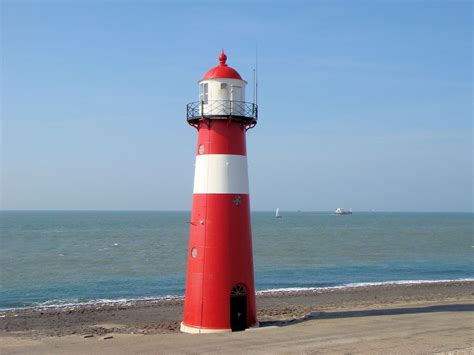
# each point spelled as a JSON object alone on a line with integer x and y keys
{"x": 362, "y": 104}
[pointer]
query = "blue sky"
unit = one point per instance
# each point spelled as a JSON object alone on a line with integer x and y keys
{"x": 362, "y": 104}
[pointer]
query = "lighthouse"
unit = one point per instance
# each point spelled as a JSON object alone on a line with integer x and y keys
{"x": 220, "y": 291}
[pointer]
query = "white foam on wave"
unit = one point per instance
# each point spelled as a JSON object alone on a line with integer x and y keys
{"x": 75, "y": 303}
{"x": 357, "y": 285}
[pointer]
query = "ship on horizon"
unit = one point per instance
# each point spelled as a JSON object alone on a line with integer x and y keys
{"x": 341, "y": 211}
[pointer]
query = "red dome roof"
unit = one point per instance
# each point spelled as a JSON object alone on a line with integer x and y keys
{"x": 222, "y": 71}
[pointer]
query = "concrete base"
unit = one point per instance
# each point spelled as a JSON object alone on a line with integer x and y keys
{"x": 193, "y": 330}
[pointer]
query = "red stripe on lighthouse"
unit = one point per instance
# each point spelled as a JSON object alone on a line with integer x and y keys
{"x": 221, "y": 137}
{"x": 221, "y": 237}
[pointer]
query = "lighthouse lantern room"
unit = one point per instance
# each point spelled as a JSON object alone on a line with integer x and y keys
{"x": 220, "y": 291}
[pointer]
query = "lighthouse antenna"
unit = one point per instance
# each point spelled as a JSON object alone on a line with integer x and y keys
{"x": 255, "y": 99}
{"x": 254, "y": 84}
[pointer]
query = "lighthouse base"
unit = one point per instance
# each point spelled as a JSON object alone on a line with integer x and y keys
{"x": 194, "y": 330}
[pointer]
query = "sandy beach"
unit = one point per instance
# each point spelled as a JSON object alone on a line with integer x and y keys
{"x": 420, "y": 318}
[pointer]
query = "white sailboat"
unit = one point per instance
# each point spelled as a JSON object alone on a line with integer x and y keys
{"x": 277, "y": 213}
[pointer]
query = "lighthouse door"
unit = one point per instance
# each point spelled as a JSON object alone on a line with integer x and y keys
{"x": 238, "y": 308}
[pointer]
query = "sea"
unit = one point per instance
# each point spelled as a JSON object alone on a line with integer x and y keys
{"x": 52, "y": 258}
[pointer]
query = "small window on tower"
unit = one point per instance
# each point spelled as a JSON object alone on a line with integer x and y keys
{"x": 223, "y": 86}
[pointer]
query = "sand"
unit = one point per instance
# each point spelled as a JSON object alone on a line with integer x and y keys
{"x": 416, "y": 318}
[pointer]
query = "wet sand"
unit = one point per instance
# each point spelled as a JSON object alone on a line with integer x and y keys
{"x": 429, "y": 317}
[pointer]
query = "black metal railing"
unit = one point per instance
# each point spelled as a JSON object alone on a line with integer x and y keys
{"x": 245, "y": 111}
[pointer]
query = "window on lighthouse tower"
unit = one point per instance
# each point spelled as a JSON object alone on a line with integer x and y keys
{"x": 204, "y": 92}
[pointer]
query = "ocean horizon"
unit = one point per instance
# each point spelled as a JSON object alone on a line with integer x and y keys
{"x": 253, "y": 211}
{"x": 73, "y": 257}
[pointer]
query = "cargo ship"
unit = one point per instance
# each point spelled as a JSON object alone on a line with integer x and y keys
{"x": 342, "y": 211}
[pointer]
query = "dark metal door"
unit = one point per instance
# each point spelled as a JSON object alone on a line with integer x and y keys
{"x": 238, "y": 312}
{"x": 238, "y": 307}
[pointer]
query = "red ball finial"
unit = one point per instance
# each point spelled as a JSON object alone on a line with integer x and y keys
{"x": 222, "y": 58}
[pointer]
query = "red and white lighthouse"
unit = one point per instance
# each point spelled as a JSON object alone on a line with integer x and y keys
{"x": 220, "y": 291}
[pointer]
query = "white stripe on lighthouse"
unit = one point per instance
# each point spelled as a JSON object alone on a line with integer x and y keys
{"x": 221, "y": 174}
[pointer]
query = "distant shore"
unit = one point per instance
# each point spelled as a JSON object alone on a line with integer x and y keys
{"x": 274, "y": 308}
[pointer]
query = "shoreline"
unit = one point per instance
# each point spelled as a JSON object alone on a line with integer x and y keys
{"x": 280, "y": 307}
{"x": 259, "y": 293}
